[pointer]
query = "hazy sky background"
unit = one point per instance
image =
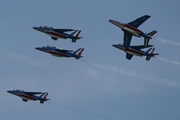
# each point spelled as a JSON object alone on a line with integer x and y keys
{"x": 104, "y": 85}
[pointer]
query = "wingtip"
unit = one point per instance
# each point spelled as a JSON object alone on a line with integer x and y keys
{"x": 147, "y": 15}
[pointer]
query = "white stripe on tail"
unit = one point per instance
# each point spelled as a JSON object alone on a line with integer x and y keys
{"x": 146, "y": 40}
{"x": 79, "y": 51}
{"x": 43, "y": 97}
{"x": 75, "y": 34}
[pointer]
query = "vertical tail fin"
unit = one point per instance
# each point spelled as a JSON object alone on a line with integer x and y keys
{"x": 43, "y": 97}
{"x": 75, "y": 35}
{"x": 146, "y": 39}
{"x": 79, "y": 52}
{"x": 151, "y": 53}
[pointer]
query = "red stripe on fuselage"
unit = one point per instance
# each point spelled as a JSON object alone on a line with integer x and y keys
{"x": 131, "y": 50}
{"x": 27, "y": 96}
{"x": 59, "y": 54}
{"x": 135, "y": 51}
{"x": 133, "y": 28}
{"x": 57, "y": 34}
{"x": 41, "y": 30}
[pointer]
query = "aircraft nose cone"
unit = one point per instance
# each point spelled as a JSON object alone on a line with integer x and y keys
{"x": 115, "y": 22}
{"x": 36, "y": 28}
{"x": 39, "y": 29}
{"x": 38, "y": 48}
{"x": 9, "y": 91}
{"x": 110, "y": 20}
{"x": 114, "y": 45}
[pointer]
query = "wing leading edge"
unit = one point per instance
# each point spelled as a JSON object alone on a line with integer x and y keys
{"x": 136, "y": 23}
{"x": 32, "y": 93}
{"x": 63, "y": 30}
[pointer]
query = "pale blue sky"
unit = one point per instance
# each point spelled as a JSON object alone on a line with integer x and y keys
{"x": 104, "y": 85}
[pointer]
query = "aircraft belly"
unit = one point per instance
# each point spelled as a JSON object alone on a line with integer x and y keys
{"x": 56, "y": 55}
{"x": 26, "y": 97}
{"x": 132, "y": 53}
{"x": 56, "y": 35}
{"x": 120, "y": 48}
{"x": 135, "y": 33}
{"x": 59, "y": 54}
{"x": 117, "y": 24}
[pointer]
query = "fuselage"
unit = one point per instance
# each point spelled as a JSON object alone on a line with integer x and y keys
{"x": 130, "y": 50}
{"x": 128, "y": 28}
{"x": 27, "y": 97}
{"x": 22, "y": 95}
{"x": 56, "y": 34}
{"x": 56, "y": 52}
{"x": 49, "y": 31}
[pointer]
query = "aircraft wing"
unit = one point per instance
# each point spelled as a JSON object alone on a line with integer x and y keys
{"x": 32, "y": 93}
{"x": 138, "y": 47}
{"x": 136, "y": 23}
{"x": 129, "y": 56}
{"x": 63, "y": 30}
{"x": 64, "y": 51}
{"x": 127, "y": 39}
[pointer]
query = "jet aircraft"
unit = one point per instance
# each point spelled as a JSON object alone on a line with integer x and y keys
{"x": 131, "y": 28}
{"x": 61, "y": 52}
{"x": 59, "y": 33}
{"x": 30, "y": 95}
{"x": 136, "y": 50}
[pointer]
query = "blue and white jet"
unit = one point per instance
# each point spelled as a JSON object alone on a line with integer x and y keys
{"x": 61, "y": 52}
{"x": 131, "y": 29}
{"x": 136, "y": 50}
{"x": 30, "y": 95}
{"x": 59, "y": 33}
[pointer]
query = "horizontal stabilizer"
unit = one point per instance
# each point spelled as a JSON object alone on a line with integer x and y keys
{"x": 152, "y": 33}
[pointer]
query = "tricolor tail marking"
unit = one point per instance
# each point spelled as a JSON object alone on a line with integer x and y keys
{"x": 152, "y": 54}
{"x": 152, "y": 51}
{"x": 79, "y": 51}
{"x": 44, "y": 95}
{"x": 76, "y": 33}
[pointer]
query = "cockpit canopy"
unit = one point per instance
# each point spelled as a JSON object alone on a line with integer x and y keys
{"x": 48, "y": 47}
{"x": 46, "y": 27}
{"x": 18, "y": 90}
